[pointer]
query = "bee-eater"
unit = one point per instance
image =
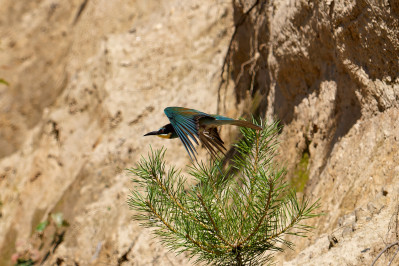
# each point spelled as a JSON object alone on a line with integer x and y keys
{"x": 189, "y": 123}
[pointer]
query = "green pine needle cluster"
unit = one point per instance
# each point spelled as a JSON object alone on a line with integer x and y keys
{"x": 238, "y": 216}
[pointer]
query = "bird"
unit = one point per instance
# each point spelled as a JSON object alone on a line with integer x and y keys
{"x": 195, "y": 126}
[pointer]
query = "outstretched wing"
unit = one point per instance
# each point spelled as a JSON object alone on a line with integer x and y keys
{"x": 185, "y": 123}
{"x": 222, "y": 120}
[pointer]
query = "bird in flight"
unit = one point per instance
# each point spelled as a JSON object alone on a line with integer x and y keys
{"x": 192, "y": 126}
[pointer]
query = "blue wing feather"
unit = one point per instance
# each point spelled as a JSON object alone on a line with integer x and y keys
{"x": 184, "y": 122}
{"x": 181, "y": 121}
{"x": 187, "y": 145}
{"x": 191, "y": 134}
{"x": 190, "y": 124}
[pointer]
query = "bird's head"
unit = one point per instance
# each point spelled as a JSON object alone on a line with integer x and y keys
{"x": 166, "y": 132}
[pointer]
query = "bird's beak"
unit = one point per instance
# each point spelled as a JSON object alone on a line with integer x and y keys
{"x": 152, "y": 133}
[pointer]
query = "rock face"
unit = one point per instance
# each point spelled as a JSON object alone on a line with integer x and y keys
{"x": 329, "y": 70}
{"x": 89, "y": 77}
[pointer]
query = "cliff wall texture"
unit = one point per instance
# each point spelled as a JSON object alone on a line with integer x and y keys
{"x": 87, "y": 78}
{"x": 329, "y": 70}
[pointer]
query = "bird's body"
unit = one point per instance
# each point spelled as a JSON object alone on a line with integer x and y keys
{"x": 192, "y": 125}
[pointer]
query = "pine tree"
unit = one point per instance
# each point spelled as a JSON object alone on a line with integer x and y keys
{"x": 238, "y": 216}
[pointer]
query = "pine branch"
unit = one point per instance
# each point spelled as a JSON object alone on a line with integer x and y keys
{"x": 223, "y": 221}
{"x": 260, "y": 222}
{"x": 215, "y": 228}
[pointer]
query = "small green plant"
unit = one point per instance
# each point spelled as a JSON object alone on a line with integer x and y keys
{"x": 23, "y": 262}
{"x": 41, "y": 226}
{"x": 301, "y": 174}
{"x": 238, "y": 216}
{"x": 2, "y": 81}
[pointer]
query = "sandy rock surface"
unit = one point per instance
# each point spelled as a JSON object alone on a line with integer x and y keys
{"x": 87, "y": 78}
{"x": 329, "y": 71}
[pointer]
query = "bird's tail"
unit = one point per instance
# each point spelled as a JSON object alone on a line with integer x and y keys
{"x": 239, "y": 123}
